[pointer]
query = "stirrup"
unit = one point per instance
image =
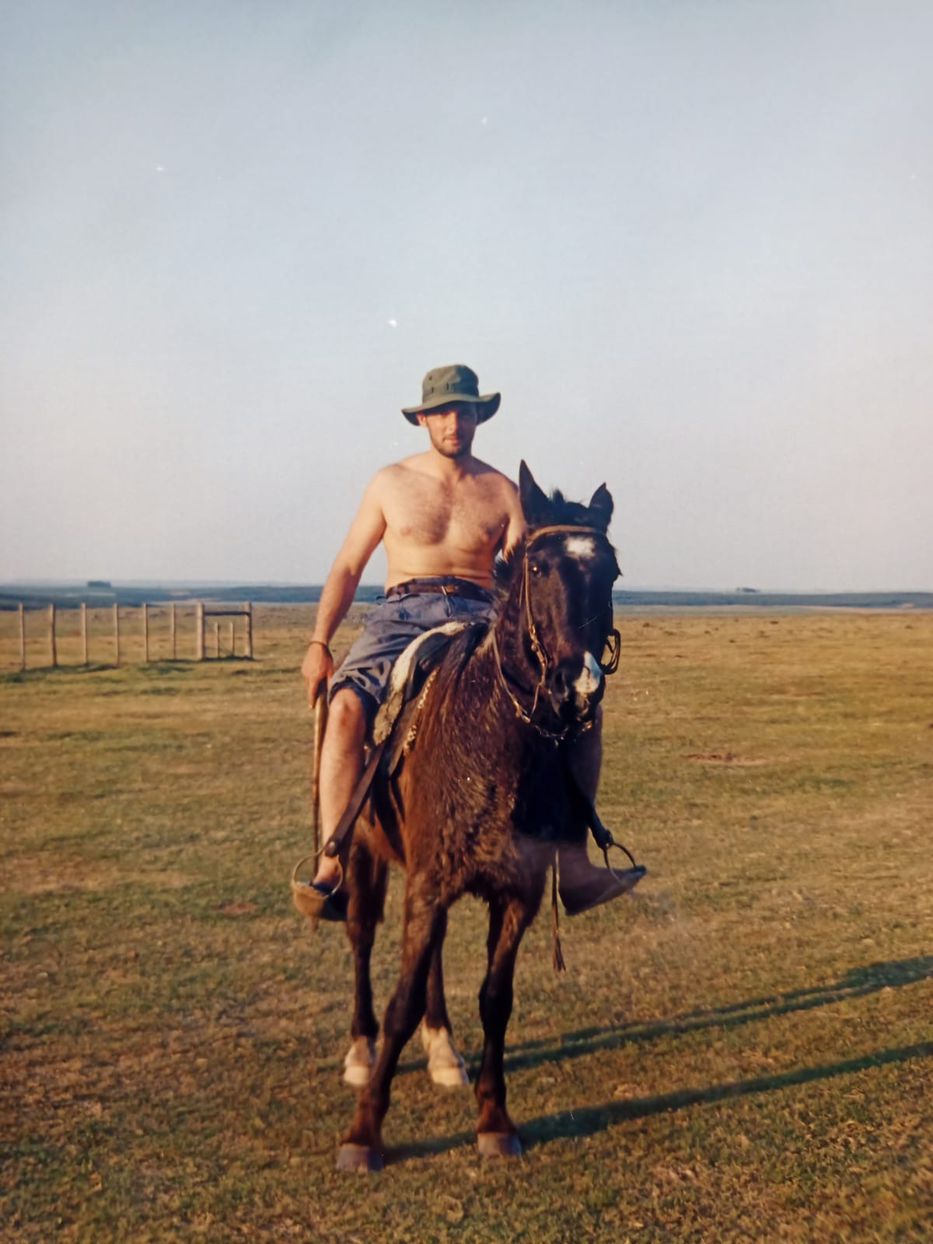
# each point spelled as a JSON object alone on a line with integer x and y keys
{"x": 630, "y": 876}
{"x": 314, "y": 903}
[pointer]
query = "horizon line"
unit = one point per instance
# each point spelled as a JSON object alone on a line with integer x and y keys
{"x": 7, "y": 585}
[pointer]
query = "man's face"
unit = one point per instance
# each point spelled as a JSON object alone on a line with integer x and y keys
{"x": 451, "y": 430}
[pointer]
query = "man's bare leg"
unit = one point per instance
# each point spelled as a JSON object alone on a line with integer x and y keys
{"x": 341, "y": 767}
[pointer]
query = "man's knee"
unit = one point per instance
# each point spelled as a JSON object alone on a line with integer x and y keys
{"x": 346, "y": 719}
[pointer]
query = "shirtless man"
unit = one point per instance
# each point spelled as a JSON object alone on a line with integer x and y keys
{"x": 442, "y": 515}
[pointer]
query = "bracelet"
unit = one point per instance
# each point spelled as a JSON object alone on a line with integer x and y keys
{"x": 321, "y": 644}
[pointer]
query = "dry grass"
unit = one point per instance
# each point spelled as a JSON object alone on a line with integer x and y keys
{"x": 739, "y": 1053}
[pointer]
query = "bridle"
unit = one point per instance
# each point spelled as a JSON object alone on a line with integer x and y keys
{"x": 613, "y": 640}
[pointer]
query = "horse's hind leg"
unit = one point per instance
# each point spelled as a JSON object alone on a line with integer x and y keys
{"x": 367, "y": 882}
{"x": 361, "y": 1148}
{"x": 445, "y": 1063}
{"x": 495, "y": 1132}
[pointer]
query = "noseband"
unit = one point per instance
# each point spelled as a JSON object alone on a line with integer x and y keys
{"x": 614, "y": 639}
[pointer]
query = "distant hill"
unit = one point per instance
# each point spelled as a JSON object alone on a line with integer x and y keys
{"x": 98, "y": 593}
{"x": 783, "y": 600}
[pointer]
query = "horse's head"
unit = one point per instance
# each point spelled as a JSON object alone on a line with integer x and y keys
{"x": 559, "y": 607}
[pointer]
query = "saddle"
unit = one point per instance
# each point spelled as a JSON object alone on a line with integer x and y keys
{"x": 411, "y": 672}
{"x": 411, "y": 676}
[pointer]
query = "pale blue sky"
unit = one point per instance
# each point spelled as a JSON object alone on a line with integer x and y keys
{"x": 691, "y": 243}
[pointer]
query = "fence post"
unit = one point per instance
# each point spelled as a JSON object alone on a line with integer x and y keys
{"x": 146, "y": 631}
{"x": 199, "y": 629}
{"x": 172, "y": 629}
{"x": 232, "y": 634}
{"x": 216, "y": 639}
{"x": 249, "y": 630}
{"x": 84, "y": 632}
{"x": 22, "y": 635}
{"x": 116, "y": 633}
{"x": 53, "y": 650}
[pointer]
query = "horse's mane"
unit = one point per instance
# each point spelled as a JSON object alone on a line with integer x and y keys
{"x": 563, "y": 513}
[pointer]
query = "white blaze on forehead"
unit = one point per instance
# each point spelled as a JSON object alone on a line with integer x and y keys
{"x": 590, "y": 677}
{"x": 580, "y": 546}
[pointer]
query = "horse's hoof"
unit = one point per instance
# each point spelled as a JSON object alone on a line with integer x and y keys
{"x": 359, "y": 1062}
{"x": 499, "y": 1145}
{"x": 453, "y": 1075}
{"x": 359, "y": 1158}
{"x": 356, "y": 1076}
{"x": 445, "y": 1064}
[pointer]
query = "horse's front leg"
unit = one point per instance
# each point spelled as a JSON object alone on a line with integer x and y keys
{"x": 445, "y": 1063}
{"x": 361, "y": 1148}
{"x": 367, "y": 884}
{"x": 495, "y": 1132}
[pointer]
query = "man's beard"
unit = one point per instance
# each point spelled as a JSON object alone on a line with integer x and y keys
{"x": 462, "y": 450}
{"x": 446, "y": 452}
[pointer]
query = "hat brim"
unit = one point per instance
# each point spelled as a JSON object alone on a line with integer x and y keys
{"x": 486, "y": 406}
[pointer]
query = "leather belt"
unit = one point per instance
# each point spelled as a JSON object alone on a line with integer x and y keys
{"x": 448, "y": 586}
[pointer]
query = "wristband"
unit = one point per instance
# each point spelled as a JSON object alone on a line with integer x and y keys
{"x": 321, "y": 644}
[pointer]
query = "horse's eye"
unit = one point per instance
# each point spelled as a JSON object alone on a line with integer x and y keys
{"x": 535, "y": 569}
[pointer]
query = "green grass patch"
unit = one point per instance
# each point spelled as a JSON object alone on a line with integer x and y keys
{"x": 741, "y": 1051}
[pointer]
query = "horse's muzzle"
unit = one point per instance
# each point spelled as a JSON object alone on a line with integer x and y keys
{"x": 576, "y": 687}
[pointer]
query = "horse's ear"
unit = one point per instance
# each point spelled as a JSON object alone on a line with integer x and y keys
{"x": 535, "y": 505}
{"x": 601, "y": 506}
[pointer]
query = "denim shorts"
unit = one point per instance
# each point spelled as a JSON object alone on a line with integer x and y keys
{"x": 389, "y": 629}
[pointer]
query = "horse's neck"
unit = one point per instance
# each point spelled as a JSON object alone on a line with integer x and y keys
{"x": 482, "y": 700}
{"x": 517, "y": 666}
{"x": 473, "y": 677}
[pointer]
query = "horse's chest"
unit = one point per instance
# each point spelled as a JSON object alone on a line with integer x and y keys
{"x": 542, "y": 808}
{"x": 484, "y": 803}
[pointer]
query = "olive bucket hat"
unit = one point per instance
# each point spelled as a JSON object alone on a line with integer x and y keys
{"x": 445, "y": 386}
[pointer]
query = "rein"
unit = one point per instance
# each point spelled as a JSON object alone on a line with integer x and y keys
{"x": 614, "y": 639}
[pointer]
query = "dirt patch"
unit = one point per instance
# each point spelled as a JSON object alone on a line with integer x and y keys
{"x": 34, "y": 876}
{"x": 237, "y": 909}
{"x": 724, "y": 758}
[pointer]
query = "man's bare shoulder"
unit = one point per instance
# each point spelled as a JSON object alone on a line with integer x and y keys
{"x": 389, "y": 476}
{"x": 397, "y": 475}
{"x": 414, "y": 462}
{"x": 484, "y": 471}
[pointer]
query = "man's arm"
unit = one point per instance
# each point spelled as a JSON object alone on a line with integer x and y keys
{"x": 515, "y": 523}
{"x": 366, "y": 530}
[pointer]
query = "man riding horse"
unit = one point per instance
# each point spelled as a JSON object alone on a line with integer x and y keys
{"x": 443, "y": 516}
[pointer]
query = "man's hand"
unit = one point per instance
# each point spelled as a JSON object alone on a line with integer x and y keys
{"x": 316, "y": 668}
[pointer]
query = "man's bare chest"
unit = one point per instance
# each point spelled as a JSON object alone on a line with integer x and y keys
{"x": 468, "y": 516}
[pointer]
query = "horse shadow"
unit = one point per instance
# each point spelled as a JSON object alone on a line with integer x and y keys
{"x": 858, "y": 983}
{"x": 589, "y": 1120}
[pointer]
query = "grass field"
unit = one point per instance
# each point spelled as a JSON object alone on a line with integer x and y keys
{"x": 740, "y": 1052}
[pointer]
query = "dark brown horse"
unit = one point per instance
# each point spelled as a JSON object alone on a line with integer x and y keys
{"x": 478, "y": 802}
